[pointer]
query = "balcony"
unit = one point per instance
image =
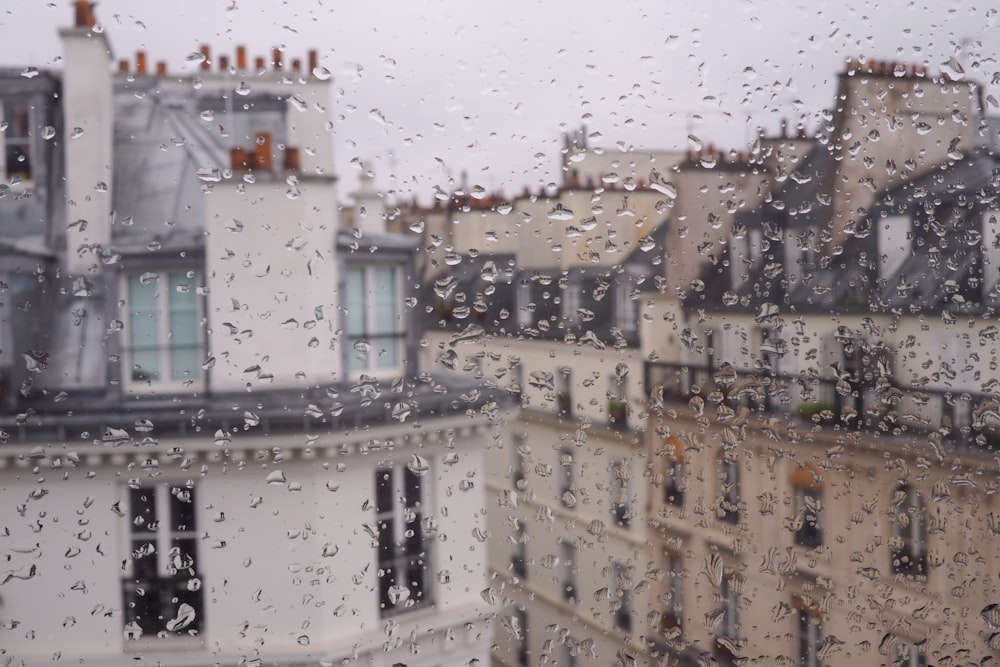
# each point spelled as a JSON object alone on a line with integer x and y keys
{"x": 963, "y": 421}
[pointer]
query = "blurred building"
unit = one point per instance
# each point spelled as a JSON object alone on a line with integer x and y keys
{"x": 218, "y": 446}
{"x": 758, "y": 420}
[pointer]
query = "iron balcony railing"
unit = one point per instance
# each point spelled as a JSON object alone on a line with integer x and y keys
{"x": 966, "y": 420}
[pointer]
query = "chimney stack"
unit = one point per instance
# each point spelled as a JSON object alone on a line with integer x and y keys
{"x": 140, "y": 62}
{"x": 84, "y": 14}
{"x": 205, "y": 62}
{"x": 276, "y": 58}
{"x": 313, "y": 60}
{"x": 241, "y": 58}
{"x": 262, "y": 151}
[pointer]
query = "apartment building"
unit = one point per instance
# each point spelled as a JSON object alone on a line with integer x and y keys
{"x": 218, "y": 443}
{"x": 810, "y": 370}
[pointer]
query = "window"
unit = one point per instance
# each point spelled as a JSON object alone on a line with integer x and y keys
{"x": 621, "y": 510}
{"x": 162, "y": 585}
{"x": 17, "y": 138}
{"x": 525, "y": 308}
{"x": 567, "y": 558}
{"x": 810, "y": 635}
{"x": 673, "y": 602}
{"x": 571, "y": 302}
{"x": 564, "y": 394}
{"x": 567, "y": 652}
{"x": 626, "y": 309}
{"x": 909, "y": 544}
{"x": 673, "y": 476}
{"x": 808, "y": 521}
{"x": 520, "y": 620}
{"x": 567, "y": 473}
{"x": 374, "y": 326}
{"x": 403, "y": 548}
{"x": 618, "y": 403}
{"x": 729, "y": 600}
{"x": 907, "y": 654}
{"x": 621, "y": 597}
{"x": 729, "y": 489}
{"x": 808, "y": 518}
{"x": 519, "y": 554}
{"x": 518, "y": 454}
{"x": 164, "y": 329}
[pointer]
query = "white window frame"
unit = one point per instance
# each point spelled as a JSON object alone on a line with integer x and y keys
{"x": 161, "y": 538}
{"x": 398, "y": 514}
{"x": 165, "y": 384}
{"x": 370, "y": 329}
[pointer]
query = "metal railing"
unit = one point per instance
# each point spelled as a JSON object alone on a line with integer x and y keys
{"x": 966, "y": 420}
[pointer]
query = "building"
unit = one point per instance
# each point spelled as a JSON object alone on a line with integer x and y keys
{"x": 801, "y": 338}
{"x": 218, "y": 444}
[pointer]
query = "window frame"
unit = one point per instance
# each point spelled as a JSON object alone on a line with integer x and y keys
{"x": 808, "y": 534}
{"x": 401, "y": 542}
{"x": 621, "y": 597}
{"x": 672, "y": 615}
{"x": 729, "y": 489}
{"x": 808, "y": 636}
{"x": 370, "y": 332}
{"x": 913, "y": 541}
{"x": 164, "y": 332}
{"x": 621, "y": 493}
{"x": 166, "y": 577}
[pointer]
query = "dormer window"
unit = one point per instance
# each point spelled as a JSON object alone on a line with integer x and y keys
{"x": 375, "y": 327}
{"x": 163, "y": 335}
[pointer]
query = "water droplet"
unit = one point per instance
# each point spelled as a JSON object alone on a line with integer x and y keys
{"x": 418, "y": 465}
{"x": 76, "y": 132}
{"x": 243, "y": 88}
{"x": 48, "y": 132}
{"x": 276, "y": 477}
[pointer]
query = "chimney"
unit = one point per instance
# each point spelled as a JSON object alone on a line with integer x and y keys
{"x": 161, "y": 67}
{"x": 296, "y": 65}
{"x": 205, "y": 62}
{"x": 223, "y": 63}
{"x": 84, "y": 14}
{"x": 239, "y": 158}
{"x": 241, "y": 58}
{"x": 276, "y": 59}
{"x": 291, "y": 161}
{"x": 140, "y": 62}
{"x": 259, "y": 64}
{"x": 313, "y": 60}
{"x": 123, "y": 66}
{"x": 87, "y": 104}
{"x": 262, "y": 151}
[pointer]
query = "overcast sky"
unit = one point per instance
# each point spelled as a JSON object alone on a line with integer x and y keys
{"x": 426, "y": 90}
